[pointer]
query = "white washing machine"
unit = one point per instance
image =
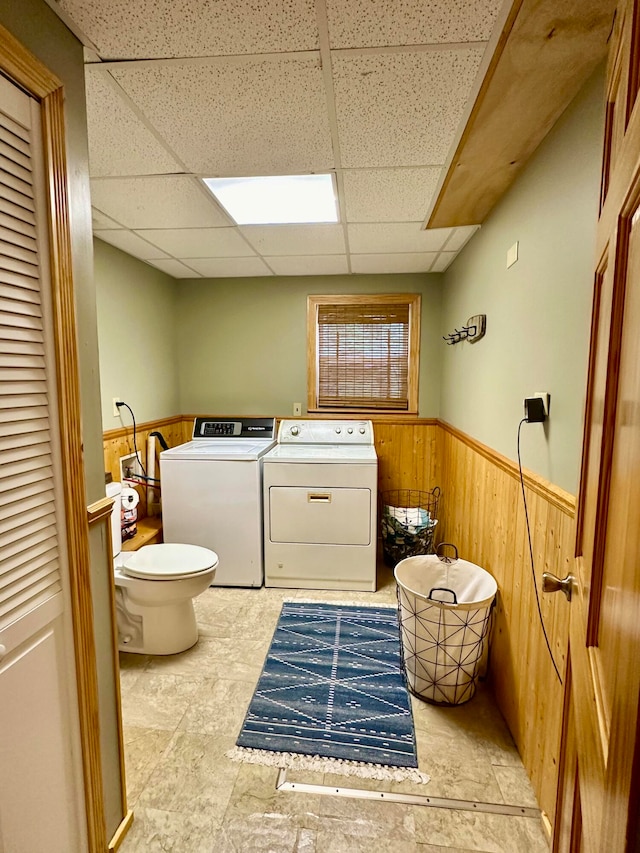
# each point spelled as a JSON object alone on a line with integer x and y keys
{"x": 212, "y": 494}
{"x": 320, "y": 506}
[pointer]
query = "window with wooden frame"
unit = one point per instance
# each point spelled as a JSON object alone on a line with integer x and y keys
{"x": 363, "y": 353}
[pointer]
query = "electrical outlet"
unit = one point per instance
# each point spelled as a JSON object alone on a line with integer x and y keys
{"x": 116, "y": 410}
{"x": 297, "y": 410}
{"x": 546, "y": 400}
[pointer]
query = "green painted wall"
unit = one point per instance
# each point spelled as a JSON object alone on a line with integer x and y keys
{"x": 538, "y": 311}
{"x": 136, "y": 337}
{"x": 36, "y": 26}
{"x": 242, "y": 345}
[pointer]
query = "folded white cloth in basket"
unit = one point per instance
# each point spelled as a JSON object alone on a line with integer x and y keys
{"x": 414, "y": 518}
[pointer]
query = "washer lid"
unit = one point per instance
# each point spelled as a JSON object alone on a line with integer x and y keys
{"x": 219, "y": 449}
{"x": 169, "y": 561}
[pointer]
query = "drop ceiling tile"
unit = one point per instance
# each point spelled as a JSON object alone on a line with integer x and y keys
{"x": 402, "y": 109}
{"x": 389, "y": 237}
{"x": 377, "y": 23}
{"x": 119, "y": 143}
{"x": 443, "y": 261}
{"x": 310, "y": 265}
{"x": 228, "y": 267}
{"x": 460, "y": 237}
{"x": 397, "y": 263}
{"x": 99, "y": 220}
{"x": 174, "y": 268}
{"x": 389, "y": 195}
{"x": 243, "y": 118}
{"x": 199, "y": 242}
{"x": 279, "y": 240}
{"x": 131, "y": 244}
{"x": 166, "y": 201}
{"x": 150, "y": 29}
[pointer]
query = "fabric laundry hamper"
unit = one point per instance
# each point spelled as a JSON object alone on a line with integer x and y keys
{"x": 444, "y": 607}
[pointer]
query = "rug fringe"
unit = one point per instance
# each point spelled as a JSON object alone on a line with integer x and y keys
{"x": 296, "y": 761}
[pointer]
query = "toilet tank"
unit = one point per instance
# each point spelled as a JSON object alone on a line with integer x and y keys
{"x": 114, "y": 491}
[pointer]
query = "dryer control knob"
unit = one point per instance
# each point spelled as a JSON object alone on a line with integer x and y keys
{"x": 338, "y": 430}
{"x": 350, "y": 430}
{"x": 362, "y": 430}
{"x": 295, "y": 430}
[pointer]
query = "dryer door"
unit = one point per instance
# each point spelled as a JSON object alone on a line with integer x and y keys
{"x": 324, "y": 516}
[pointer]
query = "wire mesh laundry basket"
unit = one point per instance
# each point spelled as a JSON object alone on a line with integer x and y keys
{"x": 409, "y": 518}
{"x": 444, "y": 608}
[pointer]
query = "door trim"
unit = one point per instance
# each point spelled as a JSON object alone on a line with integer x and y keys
{"x": 26, "y": 70}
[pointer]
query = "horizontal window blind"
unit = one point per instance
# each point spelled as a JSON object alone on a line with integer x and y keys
{"x": 363, "y": 356}
{"x": 29, "y": 554}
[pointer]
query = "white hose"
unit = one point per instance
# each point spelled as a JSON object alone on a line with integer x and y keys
{"x": 151, "y": 473}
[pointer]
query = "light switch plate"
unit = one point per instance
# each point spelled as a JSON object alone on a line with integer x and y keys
{"x": 512, "y": 254}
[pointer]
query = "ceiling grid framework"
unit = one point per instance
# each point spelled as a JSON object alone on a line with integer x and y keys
{"x": 375, "y": 92}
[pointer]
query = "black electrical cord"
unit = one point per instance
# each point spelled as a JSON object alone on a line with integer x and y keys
{"x": 533, "y": 571}
{"x": 119, "y": 404}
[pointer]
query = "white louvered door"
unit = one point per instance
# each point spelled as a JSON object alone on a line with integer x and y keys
{"x": 39, "y": 756}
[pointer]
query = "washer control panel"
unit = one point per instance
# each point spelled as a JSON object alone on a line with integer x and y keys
{"x": 325, "y": 432}
{"x": 234, "y": 428}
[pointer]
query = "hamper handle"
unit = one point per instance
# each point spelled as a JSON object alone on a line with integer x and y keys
{"x": 443, "y": 557}
{"x": 442, "y": 589}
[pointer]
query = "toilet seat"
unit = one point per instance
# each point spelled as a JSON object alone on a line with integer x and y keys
{"x": 169, "y": 561}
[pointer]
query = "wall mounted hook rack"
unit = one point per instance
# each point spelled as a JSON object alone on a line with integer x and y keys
{"x": 472, "y": 331}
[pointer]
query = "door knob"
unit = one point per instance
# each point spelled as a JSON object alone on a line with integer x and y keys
{"x": 550, "y": 583}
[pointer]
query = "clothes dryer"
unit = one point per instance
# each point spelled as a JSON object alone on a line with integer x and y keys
{"x": 320, "y": 506}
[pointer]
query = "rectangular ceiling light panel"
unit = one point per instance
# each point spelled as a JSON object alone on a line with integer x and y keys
{"x": 276, "y": 200}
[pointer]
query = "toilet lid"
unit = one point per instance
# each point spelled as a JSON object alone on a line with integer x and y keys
{"x": 169, "y": 561}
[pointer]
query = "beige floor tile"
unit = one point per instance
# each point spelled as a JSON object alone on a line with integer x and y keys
{"x": 158, "y": 831}
{"x": 157, "y": 700}
{"x": 515, "y": 786}
{"x": 367, "y": 818}
{"x": 488, "y": 833}
{"x": 192, "y": 777}
{"x": 202, "y": 661}
{"x": 143, "y": 749}
{"x": 329, "y": 841}
{"x": 459, "y": 767}
{"x": 269, "y": 834}
{"x": 479, "y": 719}
{"x": 254, "y": 795}
{"x": 218, "y": 708}
{"x": 131, "y": 667}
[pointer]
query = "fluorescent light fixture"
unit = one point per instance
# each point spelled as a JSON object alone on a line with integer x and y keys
{"x": 277, "y": 199}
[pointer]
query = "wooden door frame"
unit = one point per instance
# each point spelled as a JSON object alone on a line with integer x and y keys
{"x": 26, "y": 70}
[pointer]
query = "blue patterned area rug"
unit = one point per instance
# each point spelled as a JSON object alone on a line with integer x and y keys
{"x": 332, "y": 697}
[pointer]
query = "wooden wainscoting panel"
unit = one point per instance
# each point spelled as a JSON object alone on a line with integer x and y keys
{"x": 407, "y": 455}
{"x": 119, "y": 442}
{"x": 482, "y": 514}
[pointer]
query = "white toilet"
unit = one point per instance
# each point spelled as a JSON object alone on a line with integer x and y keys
{"x": 155, "y": 588}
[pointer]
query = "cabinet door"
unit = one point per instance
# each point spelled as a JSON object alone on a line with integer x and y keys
{"x": 40, "y": 768}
